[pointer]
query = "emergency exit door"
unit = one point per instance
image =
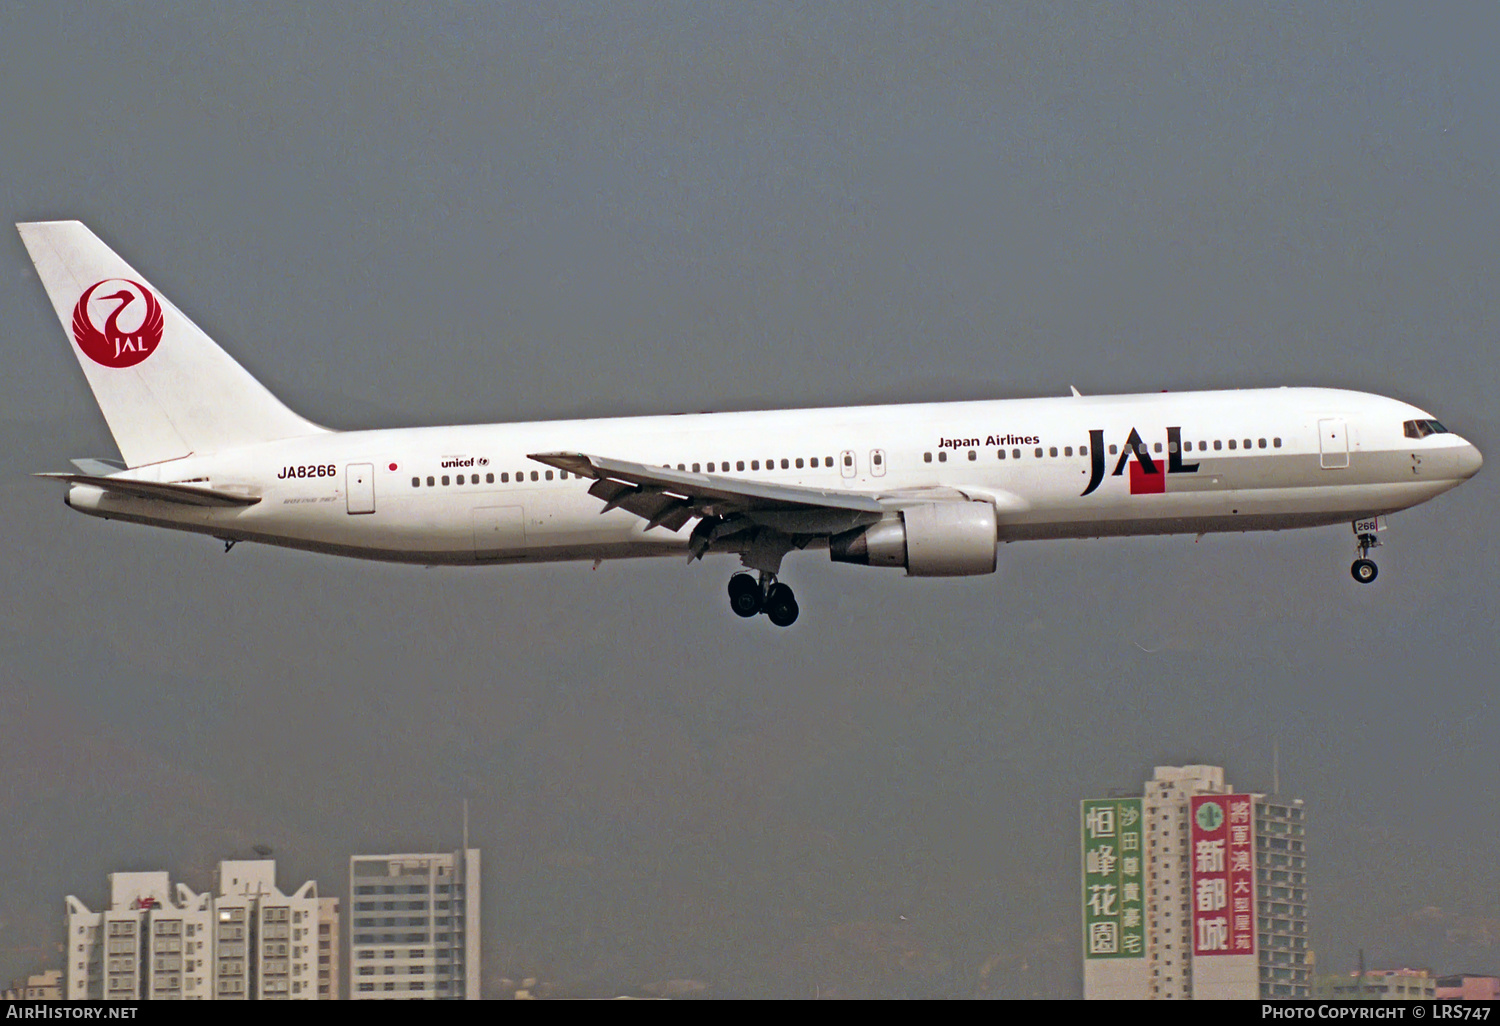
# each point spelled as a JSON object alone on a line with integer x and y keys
{"x": 359, "y": 486}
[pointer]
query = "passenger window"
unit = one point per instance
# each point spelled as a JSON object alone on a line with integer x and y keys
{"x": 1276, "y": 442}
{"x": 827, "y": 461}
{"x": 755, "y": 464}
{"x": 1247, "y": 443}
{"x": 459, "y": 479}
{"x": 1262, "y": 443}
{"x": 680, "y": 466}
{"x": 927, "y": 457}
{"x": 943, "y": 456}
{"x": 1203, "y": 447}
{"x": 1000, "y": 453}
{"x": 1172, "y": 446}
{"x": 740, "y": 465}
{"x": 505, "y": 478}
{"x": 533, "y": 475}
{"x": 416, "y": 482}
{"x": 429, "y": 482}
{"x": 549, "y": 475}
{"x": 1083, "y": 450}
{"x": 1158, "y": 447}
{"x": 1015, "y": 454}
{"x": 786, "y": 464}
{"x": 1052, "y": 451}
{"x": 562, "y": 475}
{"x": 799, "y": 462}
{"x": 489, "y": 479}
{"x": 1231, "y": 443}
{"x": 1067, "y": 450}
{"x": 474, "y": 479}
{"x": 1113, "y": 449}
{"x": 1218, "y": 445}
{"x": 1039, "y": 454}
{"x": 697, "y": 468}
{"x": 445, "y": 479}
{"x": 973, "y": 455}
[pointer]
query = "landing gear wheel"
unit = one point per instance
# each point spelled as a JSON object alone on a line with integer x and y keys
{"x": 744, "y": 595}
{"x": 1364, "y": 570}
{"x": 781, "y": 606}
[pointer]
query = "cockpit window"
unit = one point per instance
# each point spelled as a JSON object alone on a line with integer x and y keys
{"x": 1423, "y": 428}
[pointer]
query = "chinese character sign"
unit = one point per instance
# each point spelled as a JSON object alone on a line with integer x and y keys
{"x": 1113, "y": 910}
{"x": 1222, "y": 856}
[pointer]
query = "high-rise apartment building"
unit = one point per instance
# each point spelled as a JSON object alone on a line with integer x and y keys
{"x": 1193, "y": 891}
{"x": 414, "y": 925}
{"x": 328, "y": 950}
{"x": 156, "y": 941}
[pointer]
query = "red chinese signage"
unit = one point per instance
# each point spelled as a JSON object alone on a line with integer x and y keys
{"x": 1222, "y": 855}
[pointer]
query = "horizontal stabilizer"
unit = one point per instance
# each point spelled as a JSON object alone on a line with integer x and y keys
{"x": 190, "y": 495}
{"x": 97, "y": 468}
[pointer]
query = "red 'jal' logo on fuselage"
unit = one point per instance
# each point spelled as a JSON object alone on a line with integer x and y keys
{"x": 118, "y": 344}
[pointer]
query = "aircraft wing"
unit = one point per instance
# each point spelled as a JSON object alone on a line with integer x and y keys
{"x": 669, "y": 498}
{"x": 190, "y": 495}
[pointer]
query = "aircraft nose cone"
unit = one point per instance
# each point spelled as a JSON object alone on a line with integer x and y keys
{"x": 1469, "y": 461}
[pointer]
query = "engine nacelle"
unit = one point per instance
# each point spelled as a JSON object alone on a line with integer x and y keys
{"x": 935, "y": 539}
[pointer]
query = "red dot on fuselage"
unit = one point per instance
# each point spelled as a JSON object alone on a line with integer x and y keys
{"x": 393, "y": 466}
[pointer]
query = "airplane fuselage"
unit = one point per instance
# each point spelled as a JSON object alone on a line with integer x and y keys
{"x": 1071, "y": 467}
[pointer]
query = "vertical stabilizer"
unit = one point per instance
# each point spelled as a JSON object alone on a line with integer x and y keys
{"x": 165, "y": 388}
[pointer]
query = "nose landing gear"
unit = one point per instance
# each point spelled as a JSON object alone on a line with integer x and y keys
{"x": 748, "y": 596}
{"x": 1364, "y": 568}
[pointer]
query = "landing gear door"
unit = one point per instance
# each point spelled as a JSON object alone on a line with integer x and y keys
{"x": 1333, "y": 443}
{"x": 359, "y": 485}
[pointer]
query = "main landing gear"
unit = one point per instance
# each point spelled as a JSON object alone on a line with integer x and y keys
{"x": 749, "y": 595}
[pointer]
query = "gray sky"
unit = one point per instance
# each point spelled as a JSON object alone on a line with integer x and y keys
{"x": 482, "y": 213}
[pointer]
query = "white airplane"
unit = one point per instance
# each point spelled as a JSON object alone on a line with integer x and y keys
{"x": 931, "y": 488}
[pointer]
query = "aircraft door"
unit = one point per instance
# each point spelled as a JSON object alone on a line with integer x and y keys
{"x": 1333, "y": 443}
{"x": 359, "y": 486}
{"x": 846, "y": 463}
{"x": 877, "y": 462}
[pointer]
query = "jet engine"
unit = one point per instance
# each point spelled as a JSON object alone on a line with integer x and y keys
{"x": 935, "y": 539}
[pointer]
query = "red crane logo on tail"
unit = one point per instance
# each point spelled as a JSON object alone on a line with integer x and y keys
{"x": 118, "y": 345}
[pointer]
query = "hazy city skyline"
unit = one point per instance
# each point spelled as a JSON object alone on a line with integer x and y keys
{"x": 467, "y": 213}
